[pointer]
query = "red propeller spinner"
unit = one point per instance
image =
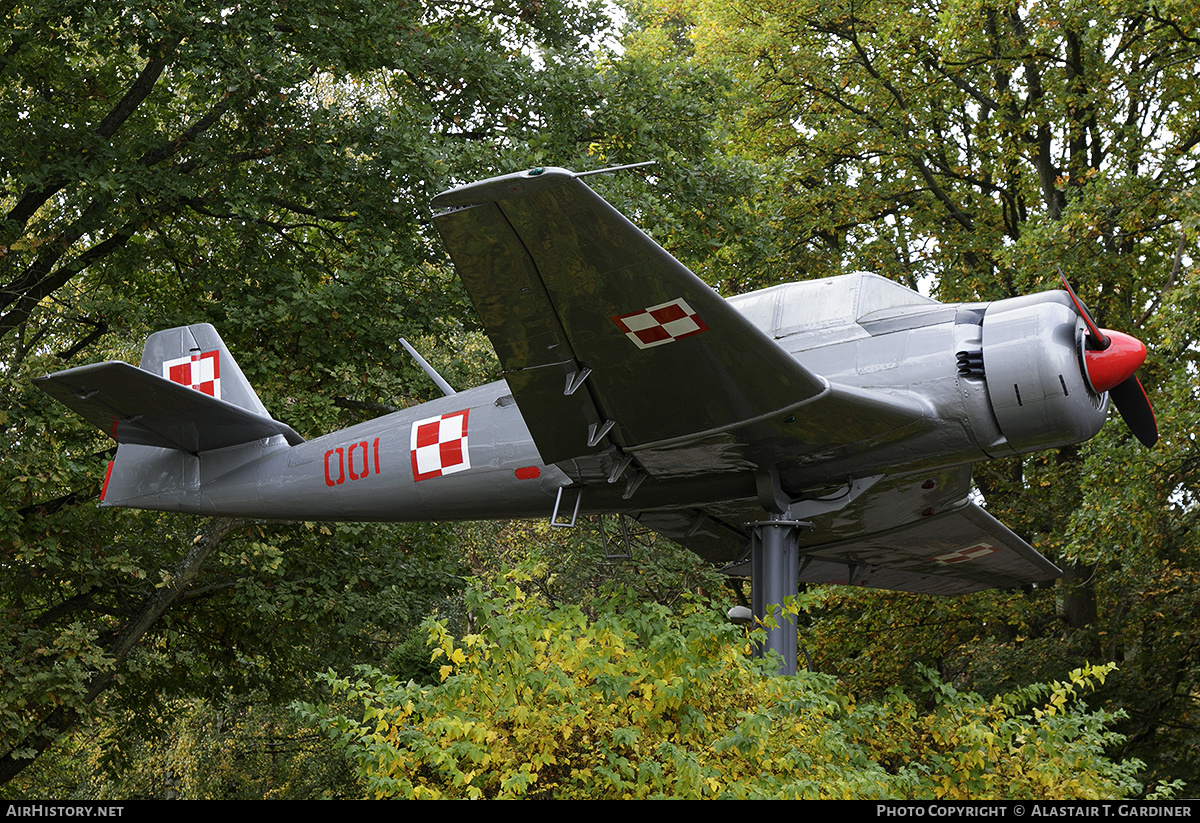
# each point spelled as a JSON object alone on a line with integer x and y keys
{"x": 1111, "y": 360}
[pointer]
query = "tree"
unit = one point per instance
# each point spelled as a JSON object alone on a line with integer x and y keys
{"x": 972, "y": 144}
{"x": 974, "y": 148}
{"x": 645, "y": 702}
{"x": 265, "y": 169}
{"x": 224, "y": 747}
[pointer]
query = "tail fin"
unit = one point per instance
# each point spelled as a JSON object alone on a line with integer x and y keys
{"x": 196, "y": 356}
{"x": 189, "y": 397}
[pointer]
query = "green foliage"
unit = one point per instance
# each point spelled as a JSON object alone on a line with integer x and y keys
{"x": 410, "y": 661}
{"x": 237, "y": 748}
{"x": 648, "y": 702}
{"x": 268, "y": 169}
{"x": 583, "y": 565}
{"x": 707, "y": 202}
{"x": 972, "y": 145}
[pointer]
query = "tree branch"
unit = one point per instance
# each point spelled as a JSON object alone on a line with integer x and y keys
{"x": 35, "y": 198}
{"x": 153, "y": 608}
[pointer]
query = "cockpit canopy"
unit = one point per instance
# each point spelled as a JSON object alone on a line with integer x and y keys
{"x": 812, "y": 305}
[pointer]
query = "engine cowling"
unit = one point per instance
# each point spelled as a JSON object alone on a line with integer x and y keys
{"x": 1033, "y": 359}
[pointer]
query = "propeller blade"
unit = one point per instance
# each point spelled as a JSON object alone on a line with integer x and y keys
{"x": 1133, "y": 404}
{"x": 1113, "y": 368}
{"x": 1099, "y": 338}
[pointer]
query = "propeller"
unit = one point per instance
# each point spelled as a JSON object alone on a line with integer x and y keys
{"x": 1110, "y": 363}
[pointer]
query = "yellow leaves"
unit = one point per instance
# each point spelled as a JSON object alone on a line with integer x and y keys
{"x": 1057, "y": 701}
{"x": 543, "y": 704}
{"x": 1063, "y": 694}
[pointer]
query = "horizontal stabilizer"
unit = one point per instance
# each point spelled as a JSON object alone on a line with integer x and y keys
{"x": 136, "y": 406}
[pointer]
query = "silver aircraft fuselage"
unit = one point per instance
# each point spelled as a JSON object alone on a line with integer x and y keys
{"x": 847, "y": 411}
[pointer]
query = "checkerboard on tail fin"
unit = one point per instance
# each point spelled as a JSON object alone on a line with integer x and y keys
{"x": 195, "y": 356}
{"x": 188, "y": 398}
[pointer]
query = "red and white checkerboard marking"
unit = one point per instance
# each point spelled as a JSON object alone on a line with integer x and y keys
{"x": 664, "y": 323}
{"x": 439, "y": 445}
{"x": 201, "y": 372}
{"x": 961, "y": 555}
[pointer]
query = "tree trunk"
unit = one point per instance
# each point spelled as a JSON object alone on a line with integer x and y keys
{"x": 1079, "y": 594}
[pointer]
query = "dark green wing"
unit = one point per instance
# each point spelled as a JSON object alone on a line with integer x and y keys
{"x": 606, "y": 338}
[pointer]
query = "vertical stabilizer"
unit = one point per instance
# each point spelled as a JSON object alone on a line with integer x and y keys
{"x": 186, "y": 413}
{"x": 196, "y": 356}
